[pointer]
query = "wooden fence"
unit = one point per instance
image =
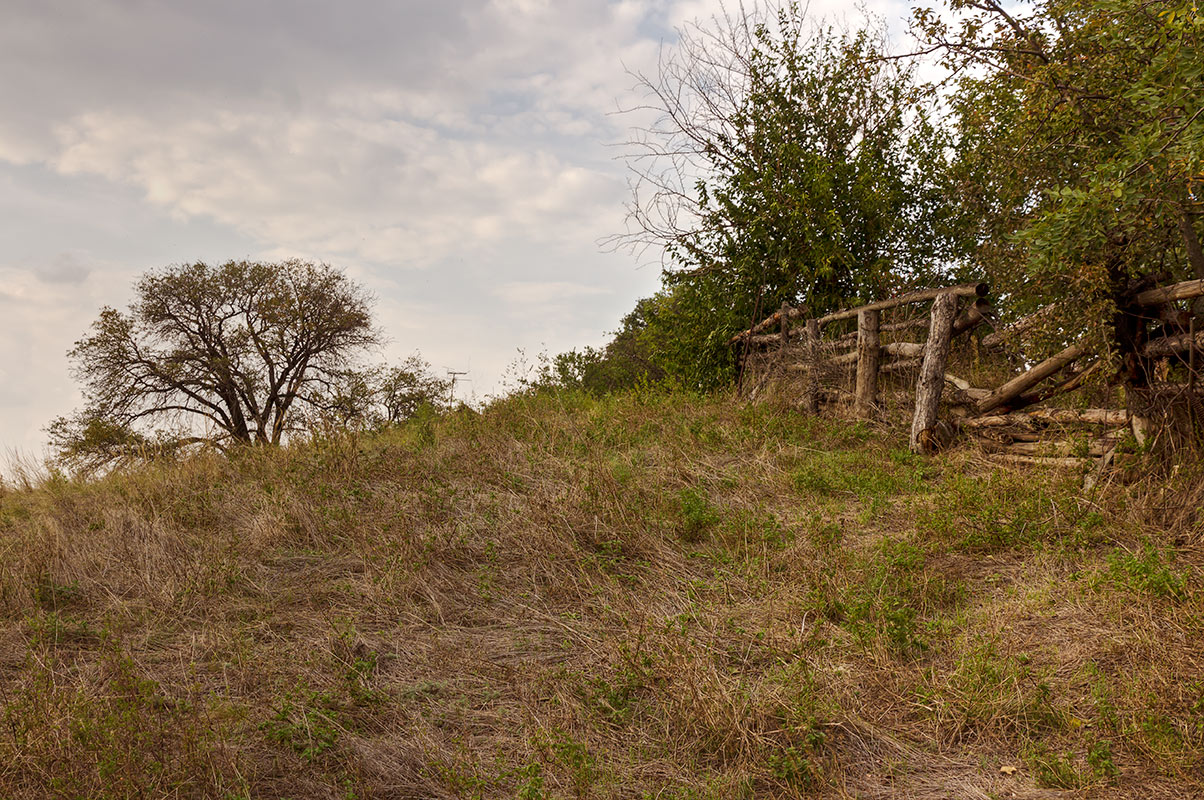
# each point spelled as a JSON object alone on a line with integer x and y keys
{"x": 850, "y": 366}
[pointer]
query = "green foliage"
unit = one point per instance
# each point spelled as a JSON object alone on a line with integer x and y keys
{"x": 697, "y": 514}
{"x": 1082, "y": 147}
{"x": 379, "y": 396}
{"x": 304, "y": 722}
{"x": 814, "y": 177}
{"x": 1054, "y": 770}
{"x": 1148, "y": 570}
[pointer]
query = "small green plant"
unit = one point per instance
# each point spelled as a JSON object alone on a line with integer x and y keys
{"x": 54, "y": 596}
{"x": 792, "y": 766}
{"x": 697, "y": 514}
{"x": 1099, "y": 758}
{"x": 304, "y": 722}
{"x": 530, "y": 786}
{"x": 1053, "y": 770}
{"x": 1147, "y": 571}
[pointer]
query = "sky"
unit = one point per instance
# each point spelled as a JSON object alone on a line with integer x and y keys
{"x": 458, "y": 158}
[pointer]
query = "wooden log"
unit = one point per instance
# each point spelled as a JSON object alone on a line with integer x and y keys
{"x": 906, "y": 349}
{"x": 972, "y": 317}
{"x": 1059, "y": 449}
{"x": 811, "y": 388}
{"x": 1090, "y": 416}
{"x": 1022, "y": 383}
{"x": 958, "y": 382}
{"x": 850, "y": 338}
{"x": 1172, "y": 345}
{"x": 785, "y": 322}
{"x": 844, "y": 358}
{"x": 1068, "y": 384}
{"x": 964, "y": 394}
{"x": 932, "y": 371}
{"x": 964, "y": 290}
{"x": 869, "y": 354}
{"x": 1041, "y": 461}
{"x": 997, "y": 421}
{"x": 1166, "y": 294}
{"x": 902, "y": 365}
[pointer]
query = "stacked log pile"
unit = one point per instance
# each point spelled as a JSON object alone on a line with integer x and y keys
{"x": 1008, "y": 419}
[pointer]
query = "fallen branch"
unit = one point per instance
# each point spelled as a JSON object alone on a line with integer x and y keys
{"x": 1022, "y": 383}
{"x": 1042, "y": 461}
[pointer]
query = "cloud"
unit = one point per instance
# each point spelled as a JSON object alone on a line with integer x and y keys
{"x": 540, "y": 293}
{"x": 452, "y": 154}
{"x": 64, "y": 268}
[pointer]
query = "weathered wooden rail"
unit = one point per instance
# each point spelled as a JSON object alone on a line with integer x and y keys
{"x": 953, "y": 312}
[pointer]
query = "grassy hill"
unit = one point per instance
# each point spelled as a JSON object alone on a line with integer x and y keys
{"x": 653, "y": 595}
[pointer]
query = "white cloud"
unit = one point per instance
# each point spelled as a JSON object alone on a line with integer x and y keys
{"x": 542, "y": 293}
{"x": 450, "y": 153}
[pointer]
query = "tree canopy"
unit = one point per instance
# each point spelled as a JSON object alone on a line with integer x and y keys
{"x": 1082, "y": 145}
{"x": 787, "y": 163}
{"x": 220, "y": 353}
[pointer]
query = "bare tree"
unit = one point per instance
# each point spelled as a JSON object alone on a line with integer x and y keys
{"x": 221, "y": 354}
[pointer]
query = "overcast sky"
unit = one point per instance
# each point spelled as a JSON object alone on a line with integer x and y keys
{"x": 454, "y": 156}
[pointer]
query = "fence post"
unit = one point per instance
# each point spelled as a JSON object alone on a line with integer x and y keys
{"x": 932, "y": 372}
{"x": 785, "y": 314}
{"x": 868, "y": 357}
{"x": 811, "y": 391}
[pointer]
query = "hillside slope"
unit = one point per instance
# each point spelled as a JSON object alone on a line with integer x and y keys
{"x": 647, "y": 596}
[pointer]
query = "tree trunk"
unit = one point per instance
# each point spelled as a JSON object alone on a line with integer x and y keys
{"x": 932, "y": 372}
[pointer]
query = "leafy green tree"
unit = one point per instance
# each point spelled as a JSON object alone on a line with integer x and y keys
{"x": 220, "y": 354}
{"x": 375, "y": 397}
{"x": 785, "y": 165}
{"x": 1082, "y": 148}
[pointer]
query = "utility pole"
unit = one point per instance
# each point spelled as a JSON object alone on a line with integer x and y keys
{"x": 451, "y": 392}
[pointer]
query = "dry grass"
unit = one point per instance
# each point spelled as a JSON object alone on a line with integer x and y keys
{"x": 655, "y": 596}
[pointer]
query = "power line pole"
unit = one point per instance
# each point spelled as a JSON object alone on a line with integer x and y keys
{"x": 451, "y": 393}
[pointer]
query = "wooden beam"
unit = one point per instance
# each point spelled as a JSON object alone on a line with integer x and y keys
{"x": 932, "y": 371}
{"x": 1172, "y": 345}
{"x": 964, "y": 290}
{"x": 902, "y": 365}
{"x": 1049, "y": 448}
{"x": 905, "y": 349}
{"x": 1165, "y": 294}
{"x": 972, "y": 317}
{"x": 1090, "y": 416}
{"x": 869, "y": 354}
{"x": 1039, "y": 461}
{"x": 850, "y": 338}
{"x": 1022, "y": 383}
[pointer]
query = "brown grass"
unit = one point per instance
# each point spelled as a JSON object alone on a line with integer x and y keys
{"x": 647, "y": 596}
